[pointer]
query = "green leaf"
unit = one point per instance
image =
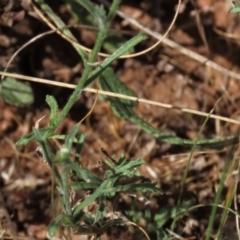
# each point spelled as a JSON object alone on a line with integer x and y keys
{"x": 41, "y": 138}
{"x": 110, "y": 82}
{"x": 114, "y": 222}
{"x": 127, "y": 167}
{"x": 17, "y": 93}
{"x": 169, "y": 212}
{"x": 67, "y": 220}
{"x": 123, "y": 109}
{"x": 84, "y": 185}
{"x": 53, "y": 226}
{"x": 71, "y": 136}
{"x": 24, "y": 140}
{"x": 143, "y": 187}
{"x": 91, "y": 198}
{"x": 101, "y": 211}
{"x": 112, "y": 42}
{"x": 100, "y": 16}
{"x": 84, "y": 174}
{"x": 79, "y": 147}
{"x": 86, "y": 4}
{"x": 98, "y": 13}
{"x": 122, "y": 50}
{"x": 51, "y": 101}
{"x": 236, "y": 8}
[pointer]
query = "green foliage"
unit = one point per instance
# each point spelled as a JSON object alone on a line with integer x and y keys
{"x": 112, "y": 41}
{"x": 236, "y": 8}
{"x": 16, "y": 93}
{"x": 63, "y": 155}
{"x": 124, "y": 109}
{"x": 88, "y": 76}
{"x": 120, "y": 177}
{"x": 217, "y": 199}
{"x": 157, "y": 220}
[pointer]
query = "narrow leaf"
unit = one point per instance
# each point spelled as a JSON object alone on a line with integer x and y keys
{"x": 83, "y": 173}
{"x": 71, "y": 136}
{"x": 123, "y": 109}
{"x": 79, "y": 147}
{"x": 91, "y": 198}
{"x": 123, "y": 49}
{"x": 84, "y": 185}
{"x": 101, "y": 210}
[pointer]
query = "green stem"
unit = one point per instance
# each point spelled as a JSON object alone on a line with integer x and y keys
{"x": 218, "y": 195}
{"x": 112, "y": 11}
{"x": 65, "y": 189}
{"x": 82, "y": 82}
{"x": 73, "y": 97}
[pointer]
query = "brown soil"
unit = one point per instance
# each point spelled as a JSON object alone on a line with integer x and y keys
{"x": 162, "y": 75}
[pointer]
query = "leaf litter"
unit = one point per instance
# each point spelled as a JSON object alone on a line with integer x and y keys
{"x": 162, "y": 75}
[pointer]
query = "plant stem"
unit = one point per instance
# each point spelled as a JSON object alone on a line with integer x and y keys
{"x": 65, "y": 189}
{"x": 218, "y": 195}
{"x": 82, "y": 82}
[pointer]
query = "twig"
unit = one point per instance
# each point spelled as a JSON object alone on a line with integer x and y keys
{"x": 175, "y": 45}
{"x": 111, "y": 94}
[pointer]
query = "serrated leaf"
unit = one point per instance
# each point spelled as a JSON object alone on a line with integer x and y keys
{"x": 112, "y": 42}
{"x": 124, "y": 109}
{"x": 100, "y": 16}
{"x": 17, "y": 93}
{"x": 110, "y": 82}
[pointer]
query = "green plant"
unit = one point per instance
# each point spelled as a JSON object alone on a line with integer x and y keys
{"x": 120, "y": 176}
{"x": 236, "y": 8}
